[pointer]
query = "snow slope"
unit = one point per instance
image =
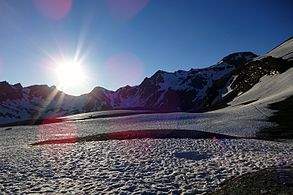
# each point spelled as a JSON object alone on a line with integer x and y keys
{"x": 285, "y": 50}
{"x": 270, "y": 89}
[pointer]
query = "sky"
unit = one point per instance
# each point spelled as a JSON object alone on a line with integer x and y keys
{"x": 120, "y": 42}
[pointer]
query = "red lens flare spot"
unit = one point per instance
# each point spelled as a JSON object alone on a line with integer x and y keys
{"x": 54, "y": 9}
{"x": 52, "y": 131}
{"x": 126, "y": 9}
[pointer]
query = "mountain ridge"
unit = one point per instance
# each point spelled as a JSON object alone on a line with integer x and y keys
{"x": 195, "y": 90}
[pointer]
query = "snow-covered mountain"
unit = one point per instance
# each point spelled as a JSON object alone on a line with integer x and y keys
{"x": 19, "y": 103}
{"x": 194, "y": 90}
{"x": 180, "y": 90}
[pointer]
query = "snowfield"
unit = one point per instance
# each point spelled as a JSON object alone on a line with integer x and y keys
{"x": 148, "y": 166}
{"x": 134, "y": 166}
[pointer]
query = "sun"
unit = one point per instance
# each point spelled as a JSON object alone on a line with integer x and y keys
{"x": 70, "y": 75}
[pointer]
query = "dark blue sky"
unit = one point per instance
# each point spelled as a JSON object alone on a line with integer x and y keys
{"x": 121, "y": 43}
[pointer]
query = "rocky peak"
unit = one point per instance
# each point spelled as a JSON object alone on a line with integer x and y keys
{"x": 98, "y": 90}
{"x": 4, "y": 84}
{"x": 239, "y": 58}
{"x": 158, "y": 77}
{"x": 9, "y": 92}
{"x": 18, "y": 86}
{"x": 41, "y": 90}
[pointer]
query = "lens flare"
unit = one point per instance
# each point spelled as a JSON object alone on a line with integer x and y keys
{"x": 126, "y": 8}
{"x": 53, "y": 133}
{"x": 54, "y": 9}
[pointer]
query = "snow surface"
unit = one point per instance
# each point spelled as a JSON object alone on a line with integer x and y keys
{"x": 108, "y": 113}
{"x": 285, "y": 50}
{"x": 270, "y": 89}
{"x": 134, "y": 166}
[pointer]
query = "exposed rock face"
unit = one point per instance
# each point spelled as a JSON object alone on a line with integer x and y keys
{"x": 10, "y": 91}
{"x": 276, "y": 180}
